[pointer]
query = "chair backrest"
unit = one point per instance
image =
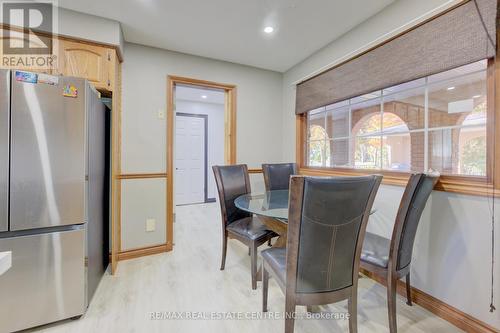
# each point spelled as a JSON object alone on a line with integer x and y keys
{"x": 410, "y": 210}
{"x": 326, "y": 228}
{"x": 277, "y": 176}
{"x": 232, "y": 181}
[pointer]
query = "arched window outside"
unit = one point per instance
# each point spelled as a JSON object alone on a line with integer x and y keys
{"x": 389, "y": 149}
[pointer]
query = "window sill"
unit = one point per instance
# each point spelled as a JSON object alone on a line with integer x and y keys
{"x": 454, "y": 184}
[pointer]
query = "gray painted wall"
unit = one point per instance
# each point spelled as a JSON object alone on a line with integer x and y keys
{"x": 452, "y": 250}
{"x": 145, "y": 73}
{"x": 88, "y": 27}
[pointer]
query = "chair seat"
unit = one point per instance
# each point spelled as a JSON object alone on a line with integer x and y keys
{"x": 376, "y": 250}
{"x": 251, "y": 228}
{"x": 276, "y": 259}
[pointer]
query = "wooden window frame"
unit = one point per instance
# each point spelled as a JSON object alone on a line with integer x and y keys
{"x": 472, "y": 185}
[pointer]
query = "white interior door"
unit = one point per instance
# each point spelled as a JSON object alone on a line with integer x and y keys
{"x": 189, "y": 159}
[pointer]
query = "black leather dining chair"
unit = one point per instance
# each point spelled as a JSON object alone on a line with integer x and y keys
{"x": 391, "y": 258}
{"x": 277, "y": 176}
{"x": 326, "y": 227}
{"x": 233, "y": 181}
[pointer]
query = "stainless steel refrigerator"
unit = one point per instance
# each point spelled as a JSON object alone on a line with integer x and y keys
{"x": 52, "y": 197}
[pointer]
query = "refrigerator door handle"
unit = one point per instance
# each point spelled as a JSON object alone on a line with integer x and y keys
{"x": 5, "y": 261}
{"x": 4, "y": 148}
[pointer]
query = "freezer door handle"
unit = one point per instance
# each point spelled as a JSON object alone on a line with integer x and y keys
{"x": 5, "y": 261}
{"x": 4, "y": 148}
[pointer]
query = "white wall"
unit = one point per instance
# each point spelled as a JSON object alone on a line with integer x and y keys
{"x": 89, "y": 27}
{"x": 142, "y": 199}
{"x": 145, "y": 70}
{"x": 395, "y": 18}
{"x": 215, "y": 146}
{"x": 452, "y": 251}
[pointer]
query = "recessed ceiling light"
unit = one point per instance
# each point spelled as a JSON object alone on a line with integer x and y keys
{"x": 268, "y": 30}
{"x": 450, "y": 88}
{"x": 204, "y": 96}
{"x": 476, "y": 96}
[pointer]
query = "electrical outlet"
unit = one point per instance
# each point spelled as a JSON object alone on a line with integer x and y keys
{"x": 150, "y": 225}
{"x": 161, "y": 114}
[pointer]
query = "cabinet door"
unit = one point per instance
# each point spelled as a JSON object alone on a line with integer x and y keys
{"x": 86, "y": 61}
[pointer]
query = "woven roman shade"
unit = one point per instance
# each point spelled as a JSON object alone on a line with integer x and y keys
{"x": 458, "y": 37}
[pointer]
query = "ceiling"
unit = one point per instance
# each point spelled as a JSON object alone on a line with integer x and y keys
{"x": 194, "y": 94}
{"x": 232, "y": 30}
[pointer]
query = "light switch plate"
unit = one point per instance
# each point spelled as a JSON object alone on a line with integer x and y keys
{"x": 150, "y": 225}
{"x": 161, "y": 114}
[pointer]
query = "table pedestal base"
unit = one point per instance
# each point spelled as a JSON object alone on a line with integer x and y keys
{"x": 279, "y": 227}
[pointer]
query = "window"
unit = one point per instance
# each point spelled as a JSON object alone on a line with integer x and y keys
{"x": 437, "y": 122}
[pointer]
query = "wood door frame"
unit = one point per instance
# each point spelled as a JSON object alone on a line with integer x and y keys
{"x": 205, "y": 149}
{"x": 230, "y": 92}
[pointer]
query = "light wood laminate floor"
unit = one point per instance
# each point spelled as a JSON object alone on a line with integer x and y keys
{"x": 189, "y": 279}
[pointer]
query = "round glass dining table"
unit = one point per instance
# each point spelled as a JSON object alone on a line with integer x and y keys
{"x": 272, "y": 208}
{"x": 272, "y": 204}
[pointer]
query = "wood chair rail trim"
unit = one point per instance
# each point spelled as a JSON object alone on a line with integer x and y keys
{"x": 141, "y": 175}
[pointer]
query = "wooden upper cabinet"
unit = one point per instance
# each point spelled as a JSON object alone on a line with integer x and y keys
{"x": 92, "y": 62}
